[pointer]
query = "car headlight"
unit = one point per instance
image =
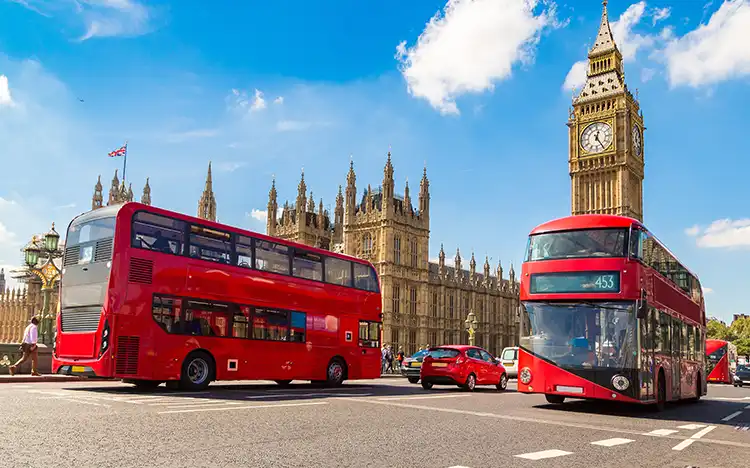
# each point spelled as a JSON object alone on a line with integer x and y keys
{"x": 525, "y": 375}
{"x": 620, "y": 382}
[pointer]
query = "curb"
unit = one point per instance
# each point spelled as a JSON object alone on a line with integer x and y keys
{"x": 392, "y": 376}
{"x": 40, "y": 378}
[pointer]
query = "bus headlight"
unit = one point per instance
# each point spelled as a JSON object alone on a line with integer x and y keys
{"x": 620, "y": 382}
{"x": 525, "y": 375}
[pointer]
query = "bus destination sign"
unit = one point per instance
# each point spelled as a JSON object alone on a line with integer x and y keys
{"x": 575, "y": 282}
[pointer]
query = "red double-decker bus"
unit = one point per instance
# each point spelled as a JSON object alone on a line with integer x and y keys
{"x": 609, "y": 313}
{"x": 152, "y": 296}
{"x": 717, "y": 361}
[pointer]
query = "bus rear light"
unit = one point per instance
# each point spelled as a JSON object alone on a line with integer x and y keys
{"x": 525, "y": 375}
{"x": 105, "y": 338}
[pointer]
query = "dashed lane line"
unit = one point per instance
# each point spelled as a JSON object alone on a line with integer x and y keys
{"x": 732, "y": 416}
{"x": 612, "y": 442}
{"x": 688, "y": 442}
{"x": 543, "y": 454}
{"x": 661, "y": 432}
{"x": 535, "y": 420}
{"x": 691, "y": 427}
{"x": 234, "y": 408}
{"x": 422, "y": 397}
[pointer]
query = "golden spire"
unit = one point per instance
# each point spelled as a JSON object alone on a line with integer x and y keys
{"x": 604, "y": 40}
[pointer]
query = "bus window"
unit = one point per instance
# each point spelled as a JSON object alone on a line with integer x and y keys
{"x": 338, "y": 271}
{"x": 271, "y": 257}
{"x": 365, "y": 278}
{"x": 210, "y": 244}
{"x": 244, "y": 247}
{"x": 269, "y": 324}
{"x": 241, "y": 322}
{"x": 159, "y": 233}
{"x": 307, "y": 265}
{"x": 297, "y": 332}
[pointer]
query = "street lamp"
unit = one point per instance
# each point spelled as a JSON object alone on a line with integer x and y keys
{"x": 471, "y": 326}
{"x": 46, "y": 249}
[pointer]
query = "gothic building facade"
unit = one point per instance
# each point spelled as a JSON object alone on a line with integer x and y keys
{"x": 605, "y": 124}
{"x": 118, "y": 193}
{"x": 424, "y": 303}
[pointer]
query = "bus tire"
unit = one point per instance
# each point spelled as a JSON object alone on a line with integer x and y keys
{"x": 661, "y": 393}
{"x": 554, "y": 399}
{"x": 197, "y": 371}
{"x": 283, "y": 383}
{"x": 697, "y": 397}
{"x": 335, "y": 372}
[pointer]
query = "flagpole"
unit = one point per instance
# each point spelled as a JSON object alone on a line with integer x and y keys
{"x": 125, "y": 162}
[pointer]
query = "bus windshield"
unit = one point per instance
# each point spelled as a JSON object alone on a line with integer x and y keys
{"x": 89, "y": 231}
{"x": 583, "y": 243}
{"x": 582, "y": 334}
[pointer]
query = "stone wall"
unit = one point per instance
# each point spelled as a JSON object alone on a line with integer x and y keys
{"x": 9, "y": 354}
{"x": 16, "y": 308}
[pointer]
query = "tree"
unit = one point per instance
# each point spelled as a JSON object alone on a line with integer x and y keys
{"x": 717, "y": 330}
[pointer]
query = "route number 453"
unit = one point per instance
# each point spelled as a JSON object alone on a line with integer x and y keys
{"x": 605, "y": 282}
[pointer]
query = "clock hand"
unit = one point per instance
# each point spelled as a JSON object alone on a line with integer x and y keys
{"x": 600, "y": 141}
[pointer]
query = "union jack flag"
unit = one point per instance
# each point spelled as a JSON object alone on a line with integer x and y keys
{"x": 121, "y": 151}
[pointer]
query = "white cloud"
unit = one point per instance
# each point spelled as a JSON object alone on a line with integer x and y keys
{"x": 647, "y": 74}
{"x": 229, "y": 166}
{"x": 722, "y": 233}
{"x": 68, "y": 206}
{"x": 239, "y": 100}
{"x": 472, "y": 45}
{"x": 279, "y": 100}
{"x": 5, "y": 97}
{"x": 661, "y": 14}
{"x": 707, "y": 290}
{"x": 576, "y": 76}
{"x": 260, "y": 215}
{"x": 101, "y": 18}
{"x": 6, "y": 237}
{"x": 258, "y": 102}
{"x": 713, "y": 52}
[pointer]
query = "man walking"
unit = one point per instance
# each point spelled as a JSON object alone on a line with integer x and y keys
{"x": 29, "y": 347}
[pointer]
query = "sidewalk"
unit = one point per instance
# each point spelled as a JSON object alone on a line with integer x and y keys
{"x": 26, "y": 378}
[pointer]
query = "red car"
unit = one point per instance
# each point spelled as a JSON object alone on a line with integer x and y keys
{"x": 462, "y": 365}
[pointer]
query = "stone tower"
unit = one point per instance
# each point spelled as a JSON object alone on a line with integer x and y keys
{"x": 301, "y": 222}
{"x": 207, "y": 202}
{"x": 146, "y": 196}
{"x": 2, "y": 280}
{"x": 606, "y": 136}
{"x": 98, "y": 198}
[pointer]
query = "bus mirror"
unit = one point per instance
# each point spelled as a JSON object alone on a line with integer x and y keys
{"x": 642, "y": 311}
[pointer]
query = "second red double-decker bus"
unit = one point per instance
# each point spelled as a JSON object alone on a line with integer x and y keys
{"x": 717, "y": 361}
{"x": 609, "y": 313}
{"x": 152, "y": 296}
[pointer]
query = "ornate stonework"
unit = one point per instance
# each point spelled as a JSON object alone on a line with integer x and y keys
{"x": 207, "y": 202}
{"x": 606, "y": 136}
{"x": 117, "y": 193}
{"x": 423, "y": 303}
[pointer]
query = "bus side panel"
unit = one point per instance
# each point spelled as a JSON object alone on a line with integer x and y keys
{"x": 720, "y": 373}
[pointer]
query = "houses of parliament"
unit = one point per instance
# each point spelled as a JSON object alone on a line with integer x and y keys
{"x": 426, "y": 303}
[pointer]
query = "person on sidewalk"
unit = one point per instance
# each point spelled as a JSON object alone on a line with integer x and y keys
{"x": 29, "y": 347}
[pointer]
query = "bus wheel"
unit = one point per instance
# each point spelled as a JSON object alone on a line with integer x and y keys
{"x": 336, "y": 373}
{"x": 283, "y": 383}
{"x": 697, "y": 397}
{"x": 197, "y": 370}
{"x": 555, "y": 399}
{"x": 661, "y": 393}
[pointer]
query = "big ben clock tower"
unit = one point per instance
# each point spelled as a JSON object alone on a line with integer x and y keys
{"x": 606, "y": 136}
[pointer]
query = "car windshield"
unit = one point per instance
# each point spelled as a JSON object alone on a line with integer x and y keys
{"x": 582, "y": 335}
{"x": 577, "y": 244}
{"x": 443, "y": 353}
{"x": 743, "y": 369}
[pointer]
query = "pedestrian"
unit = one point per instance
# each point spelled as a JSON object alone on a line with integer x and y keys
{"x": 28, "y": 347}
{"x": 389, "y": 360}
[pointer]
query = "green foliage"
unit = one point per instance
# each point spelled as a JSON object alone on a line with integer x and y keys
{"x": 738, "y": 333}
{"x": 717, "y": 330}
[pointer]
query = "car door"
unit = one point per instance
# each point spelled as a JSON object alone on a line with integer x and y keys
{"x": 477, "y": 365}
{"x": 493, "y": 367}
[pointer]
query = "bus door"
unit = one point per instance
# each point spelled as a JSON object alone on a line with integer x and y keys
{"x": 676, "y": 357}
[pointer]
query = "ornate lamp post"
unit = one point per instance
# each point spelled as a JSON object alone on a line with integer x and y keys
{"x": 43, "y": 250}
{"x": 471, "y": 326}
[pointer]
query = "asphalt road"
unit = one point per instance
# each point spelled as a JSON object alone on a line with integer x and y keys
{"x": 383, "y": 423}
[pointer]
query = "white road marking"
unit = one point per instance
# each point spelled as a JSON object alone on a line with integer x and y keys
{"x": 612, "y": 442}
{"x": 732, "y": 416}
{"x": 691, "y": 427}
{"x": 20, "y": 386}
{"x": 661, "y": 432}
{"x": 422, "y": 397}
{"x": 177, "y": 401}
{"x": 203, "y": 404}
{"x": 543, "y": 454}
{"x": 528, "y": 420}
{"x": 688, "y": 442}
{"x": 730, "y": 399}
{"x": 283, "y": 405}
{"x": 86, "y": 402}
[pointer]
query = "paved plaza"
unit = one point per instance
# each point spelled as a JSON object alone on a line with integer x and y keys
{"x": 382, "y": 423}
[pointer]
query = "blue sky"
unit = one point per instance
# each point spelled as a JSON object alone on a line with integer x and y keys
{"x": 478, "y": 90}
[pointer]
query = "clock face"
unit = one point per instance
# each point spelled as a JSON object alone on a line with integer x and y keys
{"x": 597, "y": 137}
{"x": 637, "y": 142}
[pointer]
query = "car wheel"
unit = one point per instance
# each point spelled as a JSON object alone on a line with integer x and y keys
{"x": 471, "y": 383}
{"x": 413, "y": 379}
{"x": 503, "y": 384}
{"x": 426, "y": 385}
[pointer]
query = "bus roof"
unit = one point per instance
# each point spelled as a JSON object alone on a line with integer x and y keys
{"x": 588, "y": 221}
{"x": 135, "y": 206}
